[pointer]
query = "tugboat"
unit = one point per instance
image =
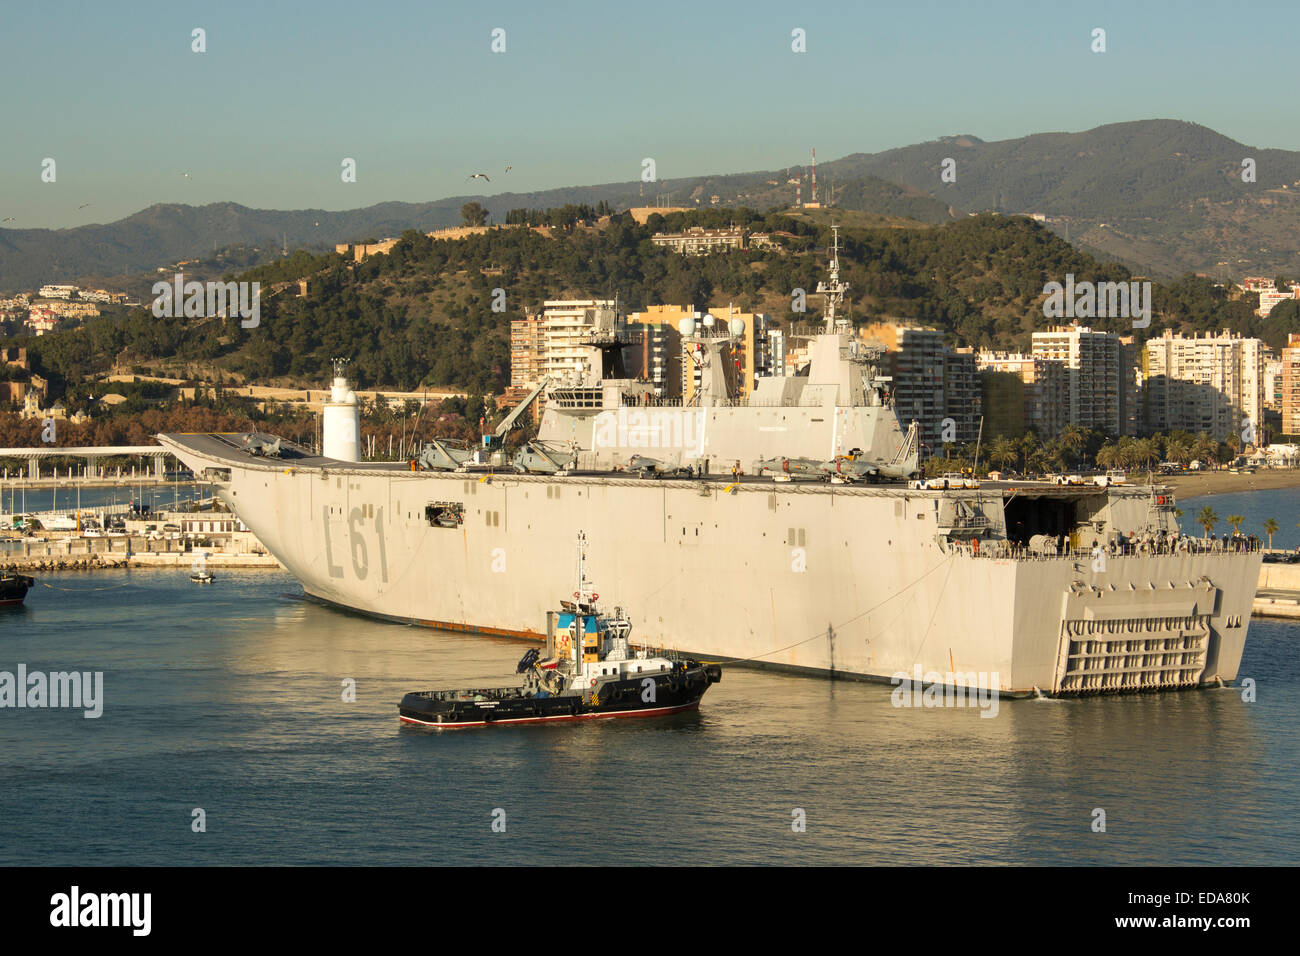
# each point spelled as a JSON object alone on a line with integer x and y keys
{"x": 13, "y": 588}
{"x": 590, "y": 670}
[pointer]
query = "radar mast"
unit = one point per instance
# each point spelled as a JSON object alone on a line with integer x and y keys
{"x": 834, "y": 289}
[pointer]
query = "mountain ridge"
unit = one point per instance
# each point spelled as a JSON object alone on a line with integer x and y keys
{"x": 1162, "y": 196}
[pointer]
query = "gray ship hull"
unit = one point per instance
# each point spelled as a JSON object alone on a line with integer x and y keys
{"x": 864, "y": 582}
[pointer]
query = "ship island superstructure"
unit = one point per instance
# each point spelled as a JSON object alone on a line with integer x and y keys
{"x": 838, "y": 407}
{"x": 1025, "y": 588}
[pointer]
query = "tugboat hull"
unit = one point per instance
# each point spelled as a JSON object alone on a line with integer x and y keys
{"x": 654, "y": 696}
{"x": 13, "y": 589}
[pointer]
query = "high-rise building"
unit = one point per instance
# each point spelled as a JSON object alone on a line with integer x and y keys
{"x": 1291, "y": 386}
{"x": 1272, "y": 381}
{"x": 1211, "y": 383}
{"x": 1130, "y": 385}
{"x": 567, "y": 323}
{"x": 937, "y": 386}
{"x": 660, "y": 352}
{"x": 963, "y": 398}
{"x": 1093, "y": 376}
{"x": 527, "y": 346}
{"x": 1023, "y": 393}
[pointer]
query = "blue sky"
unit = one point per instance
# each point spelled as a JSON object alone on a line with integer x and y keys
{"x": 584, "y": 91}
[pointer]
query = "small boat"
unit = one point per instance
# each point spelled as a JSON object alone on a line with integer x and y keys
{"x": 13, "y": 588}
{"x": 201, "y": 577}
{"x": 591, "y": 670}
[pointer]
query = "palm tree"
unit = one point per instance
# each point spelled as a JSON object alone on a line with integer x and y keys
{"x": 1235, "y": 521}
{"x": 1107, "y": 456}
{"x": 1003, "y": 451}
{"x": 1177, "y": 451}
{"x": 1126, "y": 455}
{"x": 1036, "y": 460}
{"x": 1205, "y": 448}
{"x": 1207, "y": 519}
{"x": 1145, "y": 450}
{"x": 1074, "y": 439}
{"x": 1056, "y": 454}
{"x": 1270, "y": 529}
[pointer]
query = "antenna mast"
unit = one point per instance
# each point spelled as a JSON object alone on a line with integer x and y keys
{"x": 834, "y": 289}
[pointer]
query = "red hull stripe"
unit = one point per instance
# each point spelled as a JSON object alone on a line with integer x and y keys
{"x": 649, "y": 712}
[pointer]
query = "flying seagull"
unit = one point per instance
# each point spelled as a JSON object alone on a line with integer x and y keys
{"x": 478, "y": 176}
{"x": 84, "y": 205}
{"x": 508, "y": 168}
{"x": 8, "y": 219}
{"x": 187, "y": 175}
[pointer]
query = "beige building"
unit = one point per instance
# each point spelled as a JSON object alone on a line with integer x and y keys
{"x": 527, "y": 344}
{"x": 698, "y": 241}
{"x": 1211, "y": 383}
{"x": 661, "y": 360}
{"x": 1094, "y": 390}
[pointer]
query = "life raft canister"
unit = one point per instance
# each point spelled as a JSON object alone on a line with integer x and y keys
{"x": 975, "y": 545}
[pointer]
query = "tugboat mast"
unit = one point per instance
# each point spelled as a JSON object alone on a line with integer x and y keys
{"x": 580, "y": 624}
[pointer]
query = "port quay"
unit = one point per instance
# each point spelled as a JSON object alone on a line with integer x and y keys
{"x": 111, "y": 533}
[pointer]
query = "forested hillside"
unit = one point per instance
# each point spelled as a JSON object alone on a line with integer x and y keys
{"x": 421, "y": 315}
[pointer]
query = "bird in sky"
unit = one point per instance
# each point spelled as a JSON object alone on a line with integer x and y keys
{"x": 508, "y": 168}
{"x": 478, "y": 176}
{"x": 8, "y": 219}
{"x": 187, "y": 175}
{"x": 84, "y": 205}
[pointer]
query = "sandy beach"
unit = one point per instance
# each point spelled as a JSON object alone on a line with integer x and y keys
{"x": 1223, "y": 482}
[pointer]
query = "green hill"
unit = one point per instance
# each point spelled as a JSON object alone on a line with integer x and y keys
{"x": 421, "y": 315}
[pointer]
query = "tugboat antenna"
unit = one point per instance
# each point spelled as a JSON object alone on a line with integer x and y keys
{"x": 580, "y": 622}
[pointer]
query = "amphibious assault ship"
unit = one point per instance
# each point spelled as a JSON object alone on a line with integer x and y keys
{"x": 819, "y": 565}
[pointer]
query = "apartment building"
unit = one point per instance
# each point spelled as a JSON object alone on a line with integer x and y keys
{"x": 567, "y": 325}
{"x": 1291, "y": 386}
{"x": 1212, "y": 383}
{"x": 660, "y": 355}
{"x": 1094, "y": 381}
{"x": 933, "y": 385}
